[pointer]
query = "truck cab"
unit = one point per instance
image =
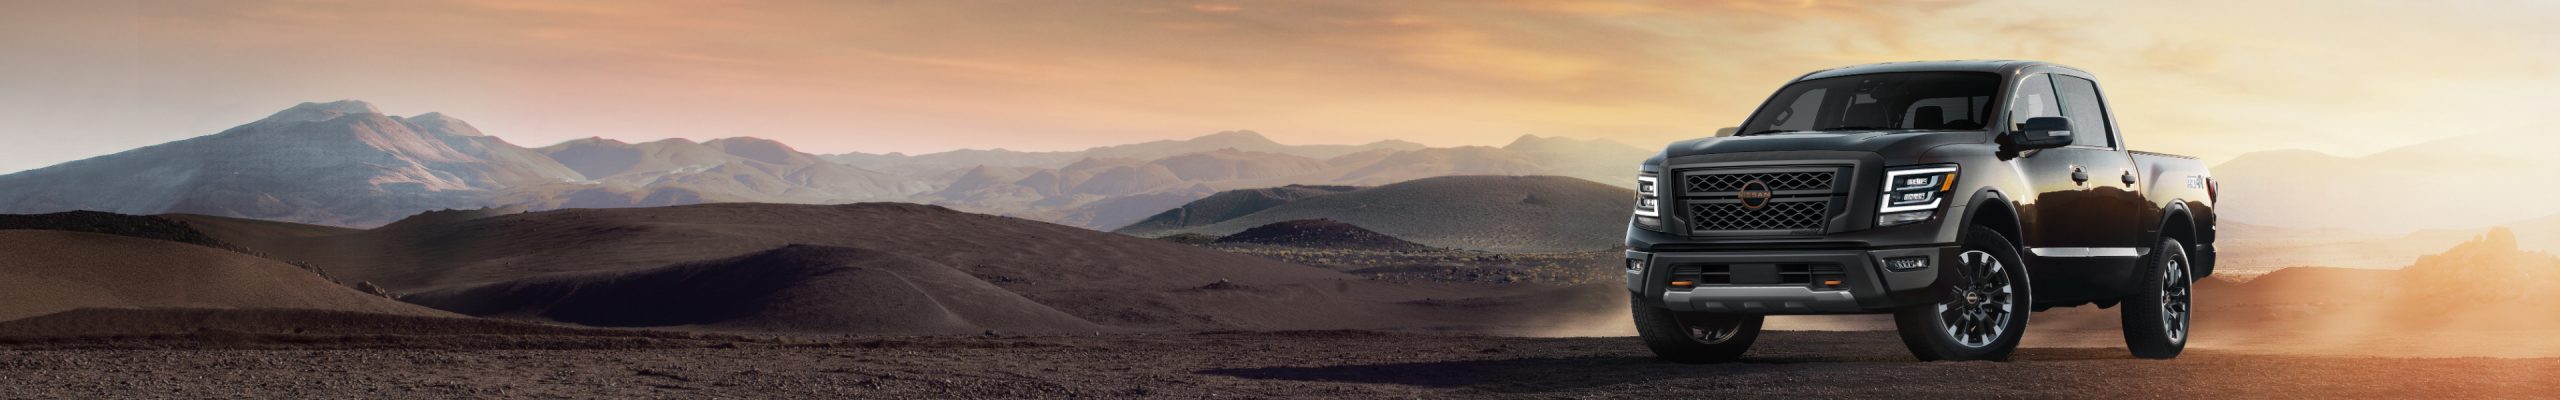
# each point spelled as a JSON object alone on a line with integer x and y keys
{"x": 1959, "y": 196}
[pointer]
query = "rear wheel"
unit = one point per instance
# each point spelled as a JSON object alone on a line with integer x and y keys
{"x": 1981, "y": 309}
{"x": 1693, "y": 337}
{"x": 2156, "y": 319}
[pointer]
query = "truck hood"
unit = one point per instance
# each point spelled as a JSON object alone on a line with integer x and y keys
{"x": 1890, "y": 144}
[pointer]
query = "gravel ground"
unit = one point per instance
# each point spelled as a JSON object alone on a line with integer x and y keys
{"x": 1249, "y": 365}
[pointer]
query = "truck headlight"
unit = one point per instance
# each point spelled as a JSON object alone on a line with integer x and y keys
{"x": 1912, "y": 194}
{"x": 1648, "y": 203}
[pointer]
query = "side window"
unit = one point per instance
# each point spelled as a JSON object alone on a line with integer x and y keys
{"x": 2088, "y": 113}
{"x": 1799, "y": 114}
{"x": 2035, "y": 99}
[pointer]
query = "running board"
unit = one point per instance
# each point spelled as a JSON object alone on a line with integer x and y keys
{"x": 2080, "y": 252}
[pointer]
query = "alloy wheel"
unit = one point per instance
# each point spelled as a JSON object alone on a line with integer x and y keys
{"x": 2176, "y": 293}
{"x": 1713, "y": 331}
{"x": 1977, "y": 310}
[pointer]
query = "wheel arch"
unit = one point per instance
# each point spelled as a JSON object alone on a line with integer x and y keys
{"x": 1991, "y": 209}
{"x": 2178, "y": 222}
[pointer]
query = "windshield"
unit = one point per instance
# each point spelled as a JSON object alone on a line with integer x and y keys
{"x": 1888, "y": 101}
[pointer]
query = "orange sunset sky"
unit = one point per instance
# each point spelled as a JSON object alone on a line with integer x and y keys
{"x": 2209, "y": 78}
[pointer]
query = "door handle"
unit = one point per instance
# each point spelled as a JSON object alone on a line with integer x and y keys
{"x": 2079, "y": 177}
{"x": 2128, "y": 178}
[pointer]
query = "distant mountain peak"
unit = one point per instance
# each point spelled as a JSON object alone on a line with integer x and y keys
{"x": 349, "y": 106}
{"x": 310, "y": 111}
{"x": 591, "y": 140}
{"x": 436, "y": 122}
{"x": 1236, "y": 138}
{"x": 745, "y": 140}
{"x": 1235, "y": 134}
{"x": 755, "y": 148}
{"x": 1532, "y": 142}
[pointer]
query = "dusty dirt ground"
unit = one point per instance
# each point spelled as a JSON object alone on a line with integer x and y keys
{"x": 1328, "y": 364}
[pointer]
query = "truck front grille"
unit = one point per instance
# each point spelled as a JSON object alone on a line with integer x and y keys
{"x": 1778, "y": 181}
{"x": 1778, "y": 215}
{"x": 1801, "y": 199}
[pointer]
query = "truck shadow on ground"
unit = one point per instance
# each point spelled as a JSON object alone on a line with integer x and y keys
{"x": 1542, "y": 374}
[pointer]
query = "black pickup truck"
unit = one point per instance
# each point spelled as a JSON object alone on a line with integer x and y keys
{"x": 1957, "y": 196}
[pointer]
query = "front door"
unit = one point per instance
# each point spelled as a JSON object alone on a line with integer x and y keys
{"x": 2065, "y": 214}
{"x": 2115, "y": 209}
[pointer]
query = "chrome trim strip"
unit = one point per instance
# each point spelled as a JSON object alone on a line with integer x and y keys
{"x": 2079, "y": 252}
{"x": 1761, "y": 300}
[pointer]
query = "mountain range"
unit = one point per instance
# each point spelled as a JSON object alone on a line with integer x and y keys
{"x": 346, "y": 163}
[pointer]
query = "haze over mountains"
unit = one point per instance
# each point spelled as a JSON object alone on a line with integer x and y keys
{"x": 346, "y": 163}
{"x": 2468, "y": 182}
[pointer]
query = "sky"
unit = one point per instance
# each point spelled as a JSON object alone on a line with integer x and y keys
{"x": 2207, "y": 78}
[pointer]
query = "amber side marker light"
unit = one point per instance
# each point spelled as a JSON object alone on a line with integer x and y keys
{"x": 1831, "y": 282}
{"x": 1680, "y": 283}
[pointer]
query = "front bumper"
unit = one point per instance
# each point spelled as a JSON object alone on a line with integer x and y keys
{"x": 1866, "y": 285}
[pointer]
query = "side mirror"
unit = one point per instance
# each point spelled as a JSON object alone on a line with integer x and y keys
{"x": 2041, "y": 133}
{"x": 1727, "y": 131}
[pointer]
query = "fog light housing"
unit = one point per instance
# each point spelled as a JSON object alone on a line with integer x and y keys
{"x": 1903, "y": 218}
{"x": 1634, "y": 265}
{"x": 1902, "y": 264}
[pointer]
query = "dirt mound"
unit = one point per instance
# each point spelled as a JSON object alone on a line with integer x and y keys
{"x": 1321, "y": 233}
{"x": 800, "y": 289}
{"x": 1488, "y": 213}
{"x": 54, "y": 271}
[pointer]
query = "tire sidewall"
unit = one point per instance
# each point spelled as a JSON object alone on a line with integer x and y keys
{"x": 2145, "y": 335}
{"x": 1666, "y": 333}
{"x": 1924, "y": 330}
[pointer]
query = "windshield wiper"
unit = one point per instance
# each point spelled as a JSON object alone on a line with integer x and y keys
{"x": 1770, "y": 131}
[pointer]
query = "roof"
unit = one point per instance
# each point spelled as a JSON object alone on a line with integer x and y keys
{"x": 2005, "y": 67}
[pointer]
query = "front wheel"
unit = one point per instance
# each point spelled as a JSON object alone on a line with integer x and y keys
{"x": 1981, "y": 308}
{"x": 1692, "y": 337}
{"x": 2156, "y": 317}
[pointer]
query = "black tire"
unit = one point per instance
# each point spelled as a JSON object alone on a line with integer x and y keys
{"x": 1991, "y": 314}
{"x": 1694, "y": 338}
{"x": 2158, "y": 318}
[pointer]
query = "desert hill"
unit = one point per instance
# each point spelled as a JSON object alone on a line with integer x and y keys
{"x": 1105, "y": 279}
{"x": 1492, "y": 213}
{"x": 56, "y": 271}
{"x": 2247, "y": 246}
{"x": 135, "y": 226}
{"x": 1112, "y": 189}
{"x": 1227, "y": 205}
{"x": 797, "y": 289}
{"x": 1319, "y": 233}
